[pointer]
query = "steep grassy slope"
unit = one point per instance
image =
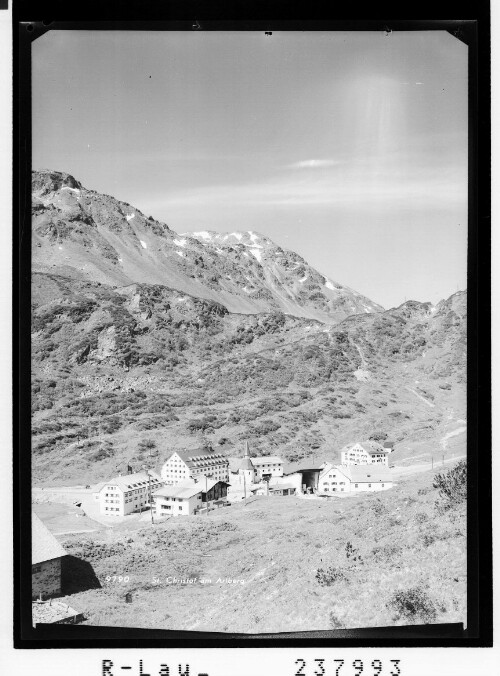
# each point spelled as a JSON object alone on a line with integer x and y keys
{"x": 370, "y": 560}
{"x": 127, "y": 374}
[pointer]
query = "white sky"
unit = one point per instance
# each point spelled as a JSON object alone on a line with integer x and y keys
{"x": 348, "y": 147}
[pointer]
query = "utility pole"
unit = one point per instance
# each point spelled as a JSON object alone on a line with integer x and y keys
{"x": 150, "y": 499}
{"x": 443, "y": 459}
{"x": 432, "y": 462}
{"x": 245, "y": 486}
{"x": 206, "y": 490}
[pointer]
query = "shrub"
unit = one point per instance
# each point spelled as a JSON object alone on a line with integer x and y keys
{"x": 428, "y": 539}
{"x": 329, "y": 576}
{"x": 452, "y": 485}
{"x": 335, "y": 623}
{"x": 388, "y": 551}
{"x": 412, "y": 604}
{"x": 351, "y": 552}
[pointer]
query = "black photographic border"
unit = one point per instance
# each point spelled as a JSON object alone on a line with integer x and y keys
{"x": 30, "y": 21}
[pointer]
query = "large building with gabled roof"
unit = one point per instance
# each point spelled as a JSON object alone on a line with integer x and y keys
{"x": 128, "y": 493}
{"x": 182, "y": 465}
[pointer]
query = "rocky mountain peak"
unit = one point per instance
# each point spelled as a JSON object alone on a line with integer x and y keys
{"x": 88, "y": 235}
{"x": 47, "y": 181}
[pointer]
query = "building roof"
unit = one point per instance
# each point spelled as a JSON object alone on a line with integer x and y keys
{"x": 44, "y": 545}
{"x": 365, "y": 474}
{"x": 266, "y": 459}
{"x": 54, "y": 611}
{"x": 371, "y": 447}
{"x": 98, "y": 486}
{"x": 130, "y": 481}
{"x": 200, "y": 458}
{"x": 361, "y": 473}
{"x": 188, "y": 488}
{"x": 184, "y": 489}
{"x": 238, "y": 464}
{"x": 278, "y": 487}
{"x": 388, "y": 444}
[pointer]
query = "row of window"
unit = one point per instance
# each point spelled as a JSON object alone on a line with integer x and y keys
{"x": 169, "y": 507}
{"x": 173, "y": 499}
{"x": 355, "y": 486}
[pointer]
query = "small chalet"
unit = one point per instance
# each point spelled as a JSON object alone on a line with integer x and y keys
{"x": 364, "y": 453}
{"x": 282, "y": 489}
{"x": 46, "y": 556}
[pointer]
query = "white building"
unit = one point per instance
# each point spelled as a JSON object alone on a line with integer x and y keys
{"x": 189, "y": 496}
{"x": 243, "y": 471}
{"x": 365, "y": 453}
{"x": 267, "y": 467}
{"x": 129, "y": 493}
{"x": 346, "y": 479}
{"x": 181, "y": 499}
{"x": 182, "y": 465}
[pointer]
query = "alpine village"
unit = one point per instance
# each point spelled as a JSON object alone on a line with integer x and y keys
{"x": 226, "y": 440}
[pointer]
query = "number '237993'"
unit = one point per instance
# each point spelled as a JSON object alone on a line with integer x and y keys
{"x": 344, "y": 668}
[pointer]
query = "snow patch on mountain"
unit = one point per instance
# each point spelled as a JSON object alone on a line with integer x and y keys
{"x": 257, "y": 253}
{"x": 180, "y": 242}
{"x": 129, "y": 217}
{"x": 143, "y": 244}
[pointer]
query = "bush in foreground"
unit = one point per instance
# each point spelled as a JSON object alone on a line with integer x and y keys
{"x": 329, "y": 576}
{"x": 452, "y": 485}
{"x": 413, "y": 604}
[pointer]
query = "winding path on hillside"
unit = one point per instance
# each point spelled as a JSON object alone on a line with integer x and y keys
{"x": 426, "y": 401}
{"x": 448, "y": 435}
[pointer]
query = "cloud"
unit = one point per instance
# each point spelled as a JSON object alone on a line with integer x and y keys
{"x": 314, "y": 164}
{"x": 442, "y": 187}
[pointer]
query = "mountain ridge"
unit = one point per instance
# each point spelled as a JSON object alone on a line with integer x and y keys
{"x": 88, "y": 235}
